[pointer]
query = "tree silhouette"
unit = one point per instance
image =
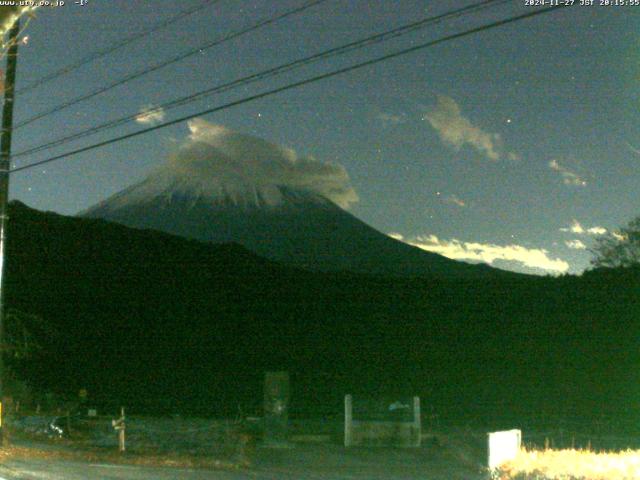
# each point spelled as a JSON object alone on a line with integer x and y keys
{"x": 619, "y": 248}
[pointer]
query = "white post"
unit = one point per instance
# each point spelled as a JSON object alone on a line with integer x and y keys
{"x": 121, "y": 433}
{"x": 417, "y": 422}
{"x": 348, "y": 420}
{"x": 119, "y": 426}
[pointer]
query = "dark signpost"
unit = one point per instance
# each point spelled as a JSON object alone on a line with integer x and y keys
{"x": 276, "y": 408}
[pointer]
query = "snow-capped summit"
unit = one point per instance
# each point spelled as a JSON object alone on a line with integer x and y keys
{"x": 223, "y": 186}
{"x": 228, "y": 168}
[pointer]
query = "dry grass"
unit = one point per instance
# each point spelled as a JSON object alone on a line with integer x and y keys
{"x": 185, "y": 443}
{"x": 234, "y": 453}
{"x": 573, "y": 464}
{"x": 129, "y": 458}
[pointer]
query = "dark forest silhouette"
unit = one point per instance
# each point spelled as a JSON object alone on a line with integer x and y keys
{"x": 148, "y": 319}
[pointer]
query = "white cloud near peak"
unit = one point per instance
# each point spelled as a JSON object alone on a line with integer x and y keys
{"x": 219, "y": 159}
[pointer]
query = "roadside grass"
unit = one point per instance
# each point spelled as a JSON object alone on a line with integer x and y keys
{"x": 225, "y": 447}
{"x": 150, "y": 459}
{"x": 572, "y": 464}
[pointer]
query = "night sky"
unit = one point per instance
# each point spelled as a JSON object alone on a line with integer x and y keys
{"x": 517, "y": 146}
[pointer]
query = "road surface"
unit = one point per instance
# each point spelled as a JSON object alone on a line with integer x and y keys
{"x": 304, "y": 462}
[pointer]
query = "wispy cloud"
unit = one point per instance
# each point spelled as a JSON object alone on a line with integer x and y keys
{"x": 219, "y": 160}
{"x": 575, "y": 244}
{"x": 574, "y": 228}
{"x": 568, "y": 177}
{"x": 456, "y": 130}
{"x": 455, "y": 200}
{"x": 389, "y": 119}
{"x": 150, "y": 115}
{"x": 488, "y": 252}
{"x": 578, "y": 229}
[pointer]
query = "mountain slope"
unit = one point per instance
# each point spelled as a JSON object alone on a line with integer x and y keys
{"x": 305, "y": 231}
{"x": 223, "y": 186}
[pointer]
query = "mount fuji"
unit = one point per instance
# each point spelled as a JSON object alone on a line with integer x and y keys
{"x": 222, "y": 186}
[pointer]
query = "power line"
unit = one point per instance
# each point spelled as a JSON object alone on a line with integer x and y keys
{"x": 343, "y": 49}
{"x": 116, "y": 46}
{"x": 168, "y": 62}
{"x": 294, "y": 85}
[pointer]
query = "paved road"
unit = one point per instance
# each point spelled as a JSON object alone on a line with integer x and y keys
{"x": 324, "y": 462}
{"x": 64, "y": 470}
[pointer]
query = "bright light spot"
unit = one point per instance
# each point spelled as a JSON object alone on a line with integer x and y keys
{"x": 503, "y": 447}
{"x": 570, "y": 463}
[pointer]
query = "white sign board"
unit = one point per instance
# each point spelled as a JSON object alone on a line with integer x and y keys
{"x": 503, "y": 447}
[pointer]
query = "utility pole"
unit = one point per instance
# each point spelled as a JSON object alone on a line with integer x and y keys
{"x": 5, "y": 166}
